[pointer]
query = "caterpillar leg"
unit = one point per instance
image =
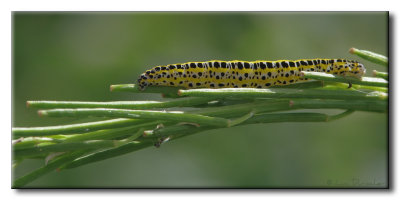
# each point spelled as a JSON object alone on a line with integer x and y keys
{"x": 350, "y": 85}
{"x": 349, "y": 82}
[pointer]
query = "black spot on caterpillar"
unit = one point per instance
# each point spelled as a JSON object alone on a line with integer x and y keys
{"x": 233, "y": 74}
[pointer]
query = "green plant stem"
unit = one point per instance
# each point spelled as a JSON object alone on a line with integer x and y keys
{"x": 288, "y": 117}
{"x": 174, "y": 90}
{"x": 91, "y": 126}
{"x": 266, "y": 105}
{"x": 338, "y": 116}
{"x": 109, "y": 134}
{"x": 109, "y": 153}
{"x": 230, "y": 111}
{"x": 178, "y": 116}
{"x": 302, "y": 85}
{"x": 178, "y": 131}
{"x": 241, "y": 119}
{"x": 120, "y": 104}
{"x": 74, "y": 128}
{"x": 371, "y": 88}
{"x": 262, "y": 106}
{"x": 260, "y": 118}
{"x": 383, "y": 75}
{"x": 96, "y": 133}
{"x": 294, "y": 117}
{"x": 31, "y": 142}
{"x": 345, "y": 86}
{"x": 62, "y": 147}
{"x": 283, "y": 93}
{"x": 369, "y": 81}
{"x": 166, "y": 91}
{"x": 371, "y": 106}
{"x": 370, "y": 56}
{"x": 52, "y": 165}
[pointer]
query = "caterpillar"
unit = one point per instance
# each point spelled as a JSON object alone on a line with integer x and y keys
{"x": 236, "y": 73}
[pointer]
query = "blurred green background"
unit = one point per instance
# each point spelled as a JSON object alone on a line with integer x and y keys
{"x": 76, "y": 56}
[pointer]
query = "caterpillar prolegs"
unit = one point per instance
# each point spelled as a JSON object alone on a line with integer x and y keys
{"x": 234, "y": 74}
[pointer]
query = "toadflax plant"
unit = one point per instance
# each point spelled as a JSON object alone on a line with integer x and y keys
{"x": 134, "y": 125}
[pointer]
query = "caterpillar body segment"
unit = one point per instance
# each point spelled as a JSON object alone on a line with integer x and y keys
{"x": 236, "y": 73}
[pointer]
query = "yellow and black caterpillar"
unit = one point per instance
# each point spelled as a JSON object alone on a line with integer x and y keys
{"x": 234, "y": 74}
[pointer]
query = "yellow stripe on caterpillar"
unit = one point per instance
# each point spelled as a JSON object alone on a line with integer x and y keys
{"x": 237, "y": 73}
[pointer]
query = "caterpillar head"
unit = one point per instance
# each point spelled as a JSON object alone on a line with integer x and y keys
{"x": 358, "y": 70}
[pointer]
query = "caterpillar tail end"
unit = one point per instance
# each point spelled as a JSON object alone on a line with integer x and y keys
{"x": 141, "y": 87}
{"x": 142, "y": 83}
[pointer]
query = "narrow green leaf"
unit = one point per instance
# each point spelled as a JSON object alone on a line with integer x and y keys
{"x": 370, "y": 56}
{"x": 178, "y": 116}
{"x": 369, "y": 81}
{"x": 283, "y": 93}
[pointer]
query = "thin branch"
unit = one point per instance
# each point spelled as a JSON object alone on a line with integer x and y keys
{"x": 92, "y": 130}
{"x": 369, "y": 81}
{"x": 110, "y": 134}
{"x": 179, "y": 131}
{"x": 383, "y": 75}
{"x": 283, "y": 93}
{"x": 178, "y": 116}
{"x": 109, "y": 153}
{"x": 120, "y": 104}
{"x": 29, "y": 142}
{"x": 166, "y": 91}
{"x": 52, "y": 165}
{"x": 370, "y": 56}
{"x": 371, "y": 106}
{"x": 174, "y": 90}
{"x": 74, "y": 128}
{"x": 62, "y": 147}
